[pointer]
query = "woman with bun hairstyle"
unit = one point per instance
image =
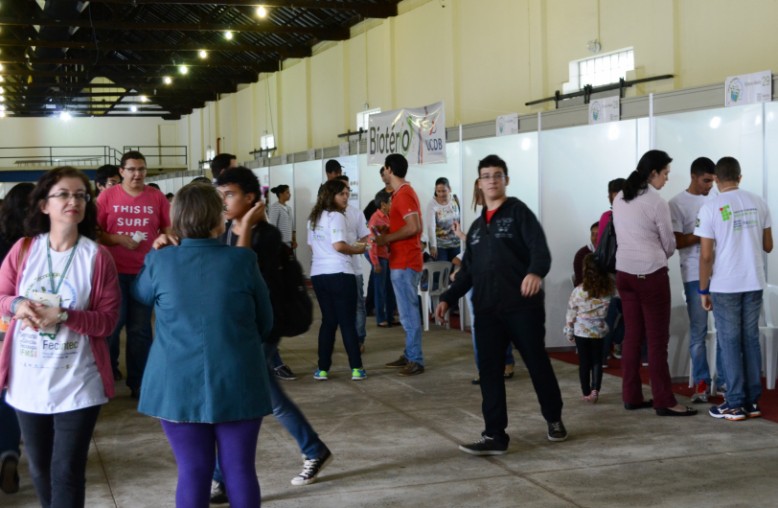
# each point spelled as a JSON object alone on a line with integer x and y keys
{"x": 279, "y": 214}
{"x": 645, "y": 240}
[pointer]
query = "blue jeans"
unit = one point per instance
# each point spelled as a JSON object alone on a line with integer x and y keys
{"x": 288, "y": 415}
{"x": 337, "y": 297}
{"x": 385, "y": 304}
{"x": 10, "y": 435}
{"x": 57, "y": 446}
{"x": 137, "y": 317}
{"x": 698, "y": 330}
{"x": 509, "y": 360}
{"x": 361, "y": 310}
{"x": 447, "y": 253}
{"x": 737, "y": 330}
{"x": 406, "y": 283}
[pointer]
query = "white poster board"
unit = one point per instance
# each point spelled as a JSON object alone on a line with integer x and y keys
{"x": 748, "y": 88}
{"x": 607, "y": 109}
{"x": 507, "y": 124}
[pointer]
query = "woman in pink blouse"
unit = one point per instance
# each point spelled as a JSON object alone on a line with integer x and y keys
{"x": 61, "y": 289}
{"x": 645, "y": 240}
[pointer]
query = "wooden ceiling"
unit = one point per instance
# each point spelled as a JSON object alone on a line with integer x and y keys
{"x": 110, "y": 57}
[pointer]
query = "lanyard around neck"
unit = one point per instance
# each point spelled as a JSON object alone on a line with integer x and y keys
{"x": 67, "y": 265}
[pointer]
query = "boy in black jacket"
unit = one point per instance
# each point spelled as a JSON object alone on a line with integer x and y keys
{"x": 505, "y": 260}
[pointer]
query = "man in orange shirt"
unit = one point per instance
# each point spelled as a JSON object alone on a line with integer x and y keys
{"x": 405, "y": 261}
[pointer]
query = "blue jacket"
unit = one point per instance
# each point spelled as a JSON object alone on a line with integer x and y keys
{"x": 213, "y": 310}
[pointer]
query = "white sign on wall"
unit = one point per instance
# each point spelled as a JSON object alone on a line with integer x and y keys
{"x": 417, "y": 133}
{"x": 748, "y": 88}
{"x": 604, "y": 110}
{"x": 508, "y": 124}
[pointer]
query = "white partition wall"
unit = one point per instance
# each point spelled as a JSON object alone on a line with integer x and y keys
{"x": 576, "y": 165}
{"x": 307, "y": 177}
{"x": 520, "y": 153}
{"x": 771, "y": 181}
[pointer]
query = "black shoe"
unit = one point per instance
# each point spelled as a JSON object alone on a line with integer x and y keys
{"x": 485, "y": 446}
{"x": 666, "y": 411}
{"x": 117, "y": 375}
{"x": 135, "y": 393}
{"x": 557, "y": 431}
{"x": 475, "y": 381}
{"x": 9, "y": 474}
{"x": 398, "y": 364}
{"x": 283, "y": 372}
{"x": 643, "y": 405}
{"x": 312, "y": 468}
{"x": 218, "y": 493}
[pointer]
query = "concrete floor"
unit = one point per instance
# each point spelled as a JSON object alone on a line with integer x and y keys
{"x": 395, "y": 444}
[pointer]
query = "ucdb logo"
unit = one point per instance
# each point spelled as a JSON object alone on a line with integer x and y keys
{"x": 726, "y": 213}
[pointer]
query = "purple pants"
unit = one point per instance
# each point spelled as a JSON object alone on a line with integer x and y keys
{"x": 645, "y": 301}
{"x": 195, "y": 445}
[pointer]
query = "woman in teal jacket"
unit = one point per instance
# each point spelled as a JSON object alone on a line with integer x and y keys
{"x": 206, "y": 377}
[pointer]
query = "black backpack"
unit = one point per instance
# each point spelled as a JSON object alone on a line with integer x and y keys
{"x": 293, "y": 309}
{"x": 605, "y": 253}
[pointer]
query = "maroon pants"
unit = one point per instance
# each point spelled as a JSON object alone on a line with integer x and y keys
{"x": 645, "y": 301}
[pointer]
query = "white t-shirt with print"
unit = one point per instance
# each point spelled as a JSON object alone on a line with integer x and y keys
{"x": 356, "y": 229}
{"x": 735, "y": 220}
{"x": 683, "y": 212}
{"x": 330, "y": 228}
{"x": 54, "y": 373}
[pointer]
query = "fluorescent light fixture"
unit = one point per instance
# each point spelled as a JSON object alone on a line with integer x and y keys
{"x": 167, "y": 80}
{"x": 183, "y": 69}
{"x": 228, "y": 35}
{"x": 261, "y": 12}
{"x": 203, "y": 54}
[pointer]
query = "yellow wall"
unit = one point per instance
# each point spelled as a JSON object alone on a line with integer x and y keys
{"x": 485, "y": 58}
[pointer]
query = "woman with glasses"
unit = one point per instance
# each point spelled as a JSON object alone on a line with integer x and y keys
{"x": 62, "y": 291}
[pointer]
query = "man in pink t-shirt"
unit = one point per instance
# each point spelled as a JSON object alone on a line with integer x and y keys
{"x": 131, "y": 216}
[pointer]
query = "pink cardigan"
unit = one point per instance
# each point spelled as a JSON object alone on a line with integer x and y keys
{"x": 97, "y": 322}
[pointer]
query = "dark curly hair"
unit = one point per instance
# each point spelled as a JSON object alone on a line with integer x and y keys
{"x": 15, "y": 206}
{"x": 596, "y": 282}
{"x": 38, "y": 222}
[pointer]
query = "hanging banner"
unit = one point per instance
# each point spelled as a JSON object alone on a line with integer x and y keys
{"x": 604, "y": 110}
{"x": 417, "y": 133}
{"x": 748, "y": 89}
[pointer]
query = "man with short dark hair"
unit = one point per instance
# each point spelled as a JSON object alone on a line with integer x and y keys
{"x": 106, "y": 177}
{"x": 240, "y": 191}
{"x": 505, "y": 260}
{"x": 131, "y": 216}
{"x": 405, "y": 261}
{"x": 683, "y": 211}
{"x": 738, "y": 224}
{"x": 332, "y": 169}
{"x": 221, "y": 162}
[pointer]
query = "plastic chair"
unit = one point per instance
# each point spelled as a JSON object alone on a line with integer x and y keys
{"x": 434, "y": 282}
{"x": 769, "y": 334}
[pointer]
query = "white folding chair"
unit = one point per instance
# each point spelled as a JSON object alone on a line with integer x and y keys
{"x": 434, "y": 282}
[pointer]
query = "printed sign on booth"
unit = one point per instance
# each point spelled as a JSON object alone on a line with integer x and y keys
{"x": 417, "y": 133}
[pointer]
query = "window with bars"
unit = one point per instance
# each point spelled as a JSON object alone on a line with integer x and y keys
{"x": 601, "y": 69}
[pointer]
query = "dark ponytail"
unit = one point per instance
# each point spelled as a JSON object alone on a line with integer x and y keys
{"x": 637, "y": 181}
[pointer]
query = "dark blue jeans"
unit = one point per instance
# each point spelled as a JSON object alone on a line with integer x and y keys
{"x": 526, "y": 329}
{"x": 289, "y": 415}
{"x": 57, "y": 446}
{"x": 337, "y": 297}
{"x": 385, "y": 304}
{"x": 137, "y": 317}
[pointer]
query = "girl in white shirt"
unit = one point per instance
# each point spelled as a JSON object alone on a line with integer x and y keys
{"x": 279, "y": 214}
{"x": 333, "y": 278}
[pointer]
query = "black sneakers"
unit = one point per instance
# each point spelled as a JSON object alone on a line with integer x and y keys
{"x": 218, "y": 493}
{"x": 557, "y": 431}
{"x": 284, "y": 373}
{"x": 312, "y": 468}
{"x": 486, "y": 446}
